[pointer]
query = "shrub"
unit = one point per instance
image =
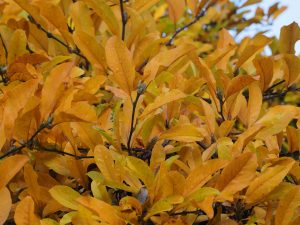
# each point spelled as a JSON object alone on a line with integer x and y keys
{"x": 147, "y": 112}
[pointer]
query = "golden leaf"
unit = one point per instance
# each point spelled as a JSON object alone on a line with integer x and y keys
{"x": 263, "y": 184}
{"x": 15, "y": 164}
{"x": 289, "y": 35}
{"x": 91, "y": 49}
{"x": 176, "y": 9}
{"x": 236, "y": 176}
{"x": 50, "y": 92}
{"x": 201, "y": 174}
{"x": 105, "y": 163}
{"x": 184, "y": 133}
{"x": 106, "y": 14}
{"x": 287, "y": 207}
{"x": 5, "y": 204}
{"x": 17, "y": 45}
{"x": 163, "y": 99}
{"x": 107, "y": 213}
{"x": 120, "y": 62}
{"x": 141, "y": 170}
{"x": 24, "y": 214}
{"x": 65, "y": 195}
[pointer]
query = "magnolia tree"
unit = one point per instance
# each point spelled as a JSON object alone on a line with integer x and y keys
{"x": 147, "y": 112}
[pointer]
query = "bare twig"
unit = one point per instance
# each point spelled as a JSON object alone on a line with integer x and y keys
{"x": 178, "y": 30}
{"x": 140, "y": 90}
{"x": 184, "y": 213}
{"x": 124, "y": 19}
{"x": 60, "y": 152}
{"x": 5, "y": 48}
{"x": 141, "y": 67}
{"x": 274, "y": 85}
{"x": 220, "y": 98}
{"x": 279, "y": 94}
{"x": 76, "y": 51}
{"x": 29, "y": 143}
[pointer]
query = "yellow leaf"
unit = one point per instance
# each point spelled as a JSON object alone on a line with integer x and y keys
{"x": 5, "y": 204}
{"x": 287, "y": 207}
{"x": 31, "y": 10}
{"x": 65, "y": 195}
{"x": 140, "y": 169}
{"x": 48, "y": 221}
{"x": 158, "y": 207}
{"x": 276, "y": 119}
{"x": 107, "y": 213}
{"x": 56, "y": 78}
{"x": 56, "y": 17}
{"x": 143, "y": 5}
{"x": 165, "y": 59}
{"x": 250, "y": 2}
{"x": 255, "y": 46}
{"x": 132, "y": 204}
{"x": 17, "y": 45}
{"x": 79, "y": 112}
{"x": 163, "y": 99}
{"x": 289, "y": 35}
{"x": 90, "y": 48}
{"x": 263, "y": 184}
{"x": 24, "y": 214}
{"x": 176, "y": 9}
{"x": 9, "y": 167}
{"x": 264, "y": 67}
{"x": 201, "y": 174}
{"x": 192, "y": 4}
{"x": 106, "y": 14}
{"x": 291, "y": 69}
{"x": 120, "y": 62}
{"x": 184, "y": 133}
{"x": 236, "y": 176}
{"x": 238, "y": 83}
{"x": 200, "y": 195}
{"x": 254, "y": 103}
{"x": 83, "y": 217}
{"x": 81, "y": 17}
{"x": 105, "y": 163}
{"x": 15, "y": 103}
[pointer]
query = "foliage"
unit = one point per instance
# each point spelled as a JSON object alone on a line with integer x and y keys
{"x": 147, "y": 112}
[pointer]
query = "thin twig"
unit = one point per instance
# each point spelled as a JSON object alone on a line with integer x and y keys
{"x": 30, "y": 141}
{"x": 280, "y": 94}
{"x": 141, "y": 67}
{"x": 76, "y": 51}
{"x": 140, "y": 90}
{"x": 60, "y": 152}
{"x": 178, "y": 30}
{"x": 5, "y": 48}
{"x": 124, "y": 19}
{"x": 274, "y": 85}
{"x": 184, "y": 213}
{"x": 220, "y": 98}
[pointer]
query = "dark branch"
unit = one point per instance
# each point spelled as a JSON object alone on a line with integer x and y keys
{"x": 279, "y": 94}
{"x": 141, "y": 67}
{"x": 60, "y": 152}
{"x": 184, "y": 213}
{"x": 140, "y": 90}
{"x": 124, "y": 19}
{"x": 30, "y": 142}
{"x": 76, "y": 51}
{"x": 274, "y": 85}
{"x": 4, "y": 46}
{"x": 179, "y": 30}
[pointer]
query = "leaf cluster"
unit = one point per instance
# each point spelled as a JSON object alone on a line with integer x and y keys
{"x": 147, "y": 112}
